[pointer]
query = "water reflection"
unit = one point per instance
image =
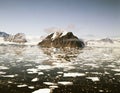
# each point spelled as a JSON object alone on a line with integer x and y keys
{"x": 61, "y": 55}
{"x": 26, "y": 69}
{"x": 12, "y": 49}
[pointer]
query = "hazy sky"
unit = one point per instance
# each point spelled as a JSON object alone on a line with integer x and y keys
{"x": 83, "y": 17}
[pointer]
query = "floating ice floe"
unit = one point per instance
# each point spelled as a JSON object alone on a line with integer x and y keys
{"x": 1, "y": 73}
{"x": 9, "y": 76}
{"x": 59, "y": 72}
{"x": 35, "y": 80}
{"x": 40, "y": 73}
{"x": 67, "y": 68}
{"x": 23, "y": 85}
{"x": 93, "y": 78}
{"x": 60, "y": 65}
{"x": 91, "y": 64}
{"x": 111, "y": 66}
{"x": 10, "y": 82}
{"x": 3, "y": 68}
{"x": 45, "y": 90}
{"x": 48, "y": 83}
{"x": 73, "y": 74}
{"x": 106, "y": 72}
{"x": 44, "y": 67}
{"x": 19, "y": 59}
{"x": 65, "y": 83}
{"x": 53, "y": 87}
{"x": 101, "y": 90}
{"x": 97, "y": 73}
{"x": 117, "y": 74}
{"x": 31, "y": 87}
{"x": 116, "y": 70}
{"x": 27, "y": 65}
{"x": 32, "y": 71}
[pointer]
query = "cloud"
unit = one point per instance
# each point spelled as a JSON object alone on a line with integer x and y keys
{"x": 54, "y": 29}
{"x": 71, "y": 27}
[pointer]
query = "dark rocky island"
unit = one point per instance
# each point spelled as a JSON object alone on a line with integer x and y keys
{"x": 17, "y": 38}
{"x": 62, "y": 40}
{"x": 107, "y": 40}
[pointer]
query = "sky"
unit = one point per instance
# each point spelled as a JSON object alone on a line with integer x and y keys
{"x": 82, "y": 17}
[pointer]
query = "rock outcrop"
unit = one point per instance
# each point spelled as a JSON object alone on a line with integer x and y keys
{"x": 62, "y": 40}
{"x": 3, "y": 34}
{"x": 18, "y": 38}
{"x": 107, "y": 40}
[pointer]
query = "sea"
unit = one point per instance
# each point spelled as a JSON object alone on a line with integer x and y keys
{"x": 34, "y": 69}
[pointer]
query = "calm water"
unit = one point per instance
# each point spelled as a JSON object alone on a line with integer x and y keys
{"x": 28, "y": 69}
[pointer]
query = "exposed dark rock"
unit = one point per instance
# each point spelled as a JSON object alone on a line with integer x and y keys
{"x": 9, "y": 38}
{"x": 108, "y": 40}
{"x": 3, "y": 34}
{"x": 62, "y": 40}
{"x": 18, "y": 38}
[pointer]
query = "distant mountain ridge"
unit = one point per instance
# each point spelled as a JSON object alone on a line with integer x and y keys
{"x": 107, "y": 40}
{"x": 3, "y": 34}
{"x": 17, "y": 38}
{"x": 62, "y": 40}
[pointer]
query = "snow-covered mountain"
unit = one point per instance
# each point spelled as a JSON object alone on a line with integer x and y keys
{"x": 58, "y": 34}
{"x": 57, "y": 39}
{"x": 31, "y": 40}
{"x": 8, "y": 38}
{"x": 17, "y": 38}
{"x": 3, "y": 34}
{"x": 107, "y": 42}
{"x": 62, "y": 40}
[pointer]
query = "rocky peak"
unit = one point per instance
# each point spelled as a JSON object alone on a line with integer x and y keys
{"x": 18, "y": 38}
{"x": 56, "y": 35}
{"x": 62, "y": 40}
{"x": 107, "y": 40}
